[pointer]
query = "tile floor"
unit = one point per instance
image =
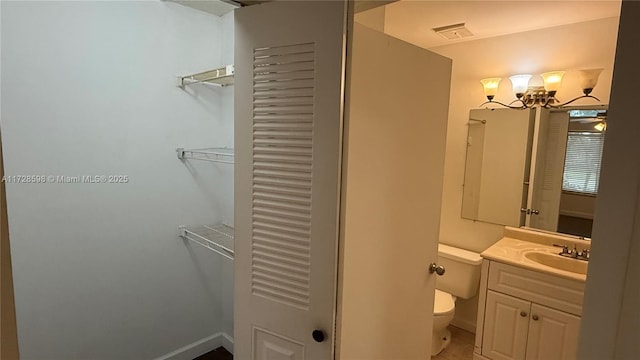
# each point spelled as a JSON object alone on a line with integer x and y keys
{"x": 460, "y": 348}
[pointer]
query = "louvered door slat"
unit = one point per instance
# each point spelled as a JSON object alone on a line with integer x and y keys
{"x": 284, "y": 85}
{"x": 283, "y": 109}
{"x": 259, "y": 269}
{"x": 284, "y": 50}
{"x": 264, "y": 191}
{"x": 294, "y": 159}
{"x": 301, "y": 151}
{"x": 281, "y": 143}
{"x": 276, "y": 101}
{"x": 281, "y": 266}
{"x": 284, "y": 68}
{"x": 270, "y": 211}
{"x": 282, "y": 59}
{"x": 282, "y": 195}
{"x": 283, "y": 250}
{"x": 276, "y": 294}
{"x": 281, "y": 181}
{"x": 282, "y": 205}
{"x": 281, "y": 76}
{"x": 282, "y": 93}
{"x": 285, "y": 240}
{"x": 282, "y": 172}
{"x": 294, "y": 284}
{"x": 284, "y": 230}
{"x": 279, "y": 174}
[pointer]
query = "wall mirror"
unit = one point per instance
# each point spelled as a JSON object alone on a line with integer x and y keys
{"x": 537, "y": 167}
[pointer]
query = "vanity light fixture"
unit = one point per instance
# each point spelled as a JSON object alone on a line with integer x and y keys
{"x": 490, "y": 86}
{"x": 528, "y": 97}
{"x": 552, "y": 81}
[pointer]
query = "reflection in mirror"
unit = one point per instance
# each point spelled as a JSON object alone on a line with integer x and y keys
{"x": 497, "y": 165}
{"x": 567, "y": 170}
{"x": 537, "y": 168}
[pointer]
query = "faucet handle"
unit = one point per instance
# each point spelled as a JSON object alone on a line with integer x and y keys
{"x": 574, "y": 252}
{"x": 584, "y": 254}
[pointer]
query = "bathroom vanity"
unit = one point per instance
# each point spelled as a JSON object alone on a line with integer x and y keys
{"x": 530, "y": 300}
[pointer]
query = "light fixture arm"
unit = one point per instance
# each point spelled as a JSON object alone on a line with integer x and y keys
{"x": 548, "y": 106}
{"x": 491, "y": 101}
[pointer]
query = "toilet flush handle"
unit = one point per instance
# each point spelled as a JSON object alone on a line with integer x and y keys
{"x": 434, "y": 268}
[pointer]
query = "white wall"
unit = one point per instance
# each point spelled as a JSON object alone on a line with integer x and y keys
{"x": 373, "y": 18}
{"x": 88, "y": 88}
{"x": 571, "y": 47}
{"x": 577, "y": 205}
{"x": 226, "y": 98}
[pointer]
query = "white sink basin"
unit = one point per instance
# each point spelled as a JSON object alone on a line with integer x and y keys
{"x": 558, "y": 262}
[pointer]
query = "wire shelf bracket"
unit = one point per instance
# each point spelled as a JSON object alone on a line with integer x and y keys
{"x": 218, "y": 154}
{"x": 218, "y": 77}
{"x": 217, "y": 238}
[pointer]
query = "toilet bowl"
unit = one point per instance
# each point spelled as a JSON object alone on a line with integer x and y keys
{"x": 461, "y": 279}
{"x": 444, "y": 308}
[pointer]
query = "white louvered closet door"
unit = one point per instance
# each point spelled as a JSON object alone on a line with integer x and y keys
{"x": 288, "y": 96}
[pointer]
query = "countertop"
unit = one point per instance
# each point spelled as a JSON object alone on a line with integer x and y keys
{"x": 512, "y": 251}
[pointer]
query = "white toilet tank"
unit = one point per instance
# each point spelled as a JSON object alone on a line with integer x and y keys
{"x": 462, "y": 271}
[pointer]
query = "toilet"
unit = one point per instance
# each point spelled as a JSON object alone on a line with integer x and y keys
{"x": 460, "y": 280}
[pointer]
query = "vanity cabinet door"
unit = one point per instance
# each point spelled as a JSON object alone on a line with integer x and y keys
{"x": 553, "y": 334}
{"x": 505, "y": 327}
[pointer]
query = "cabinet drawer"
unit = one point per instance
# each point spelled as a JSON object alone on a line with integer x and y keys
{"x": 544, "y": 289}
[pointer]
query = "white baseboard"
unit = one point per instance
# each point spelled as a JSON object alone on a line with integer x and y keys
{"x": 463, "y": 324}
{"x": 200, "y": 347}
{"x": 227, "y": 342}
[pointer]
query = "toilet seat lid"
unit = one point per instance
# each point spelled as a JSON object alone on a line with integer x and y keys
{"x": 443, "y": 303}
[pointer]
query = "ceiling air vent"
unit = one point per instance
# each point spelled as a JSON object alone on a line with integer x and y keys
{"x": 451, "y": 32}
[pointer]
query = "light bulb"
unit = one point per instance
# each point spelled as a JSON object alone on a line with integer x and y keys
{"x": 520, "y": 84}
{"x": 552, "y": 81}
{"x": 490, "y": 86}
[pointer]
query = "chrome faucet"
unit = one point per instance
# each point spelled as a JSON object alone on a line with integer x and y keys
{"x": 573, "y": 253}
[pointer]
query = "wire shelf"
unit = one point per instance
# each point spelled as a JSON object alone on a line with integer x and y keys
{"x": 219, "y": 77}
{"x": 219, "y": 154}
{"x": 217, "y": 238}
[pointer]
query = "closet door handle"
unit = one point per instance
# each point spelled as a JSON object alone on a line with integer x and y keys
{"x": 523, "y": 314}
{"x": 318, "y": 335}
{"x": 535, "y": 317}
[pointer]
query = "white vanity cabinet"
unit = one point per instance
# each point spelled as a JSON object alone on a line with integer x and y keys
{"x": 525, "y": 314}
{"x": 552, "y": 334}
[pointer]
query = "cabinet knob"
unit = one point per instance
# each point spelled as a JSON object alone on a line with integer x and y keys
{"x": 535, "y": 317}
{"x": 523, "y": 314}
